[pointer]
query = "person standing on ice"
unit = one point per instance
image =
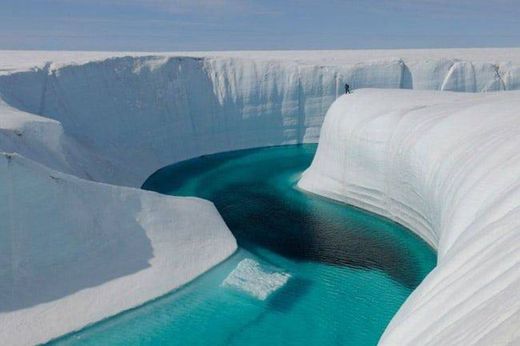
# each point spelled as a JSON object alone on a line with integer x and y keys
{"x": 347, "y": 88}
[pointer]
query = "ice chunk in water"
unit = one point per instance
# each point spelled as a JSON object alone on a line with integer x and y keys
{"x": 250, "y": 277}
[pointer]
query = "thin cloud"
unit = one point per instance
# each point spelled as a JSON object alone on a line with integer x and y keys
{"x": 219, "y": 7}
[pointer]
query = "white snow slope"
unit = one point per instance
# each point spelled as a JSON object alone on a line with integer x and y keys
{"x": 78, "y": 120}
{"x": 447, "y": 166}
{"x": 73, "y": 252}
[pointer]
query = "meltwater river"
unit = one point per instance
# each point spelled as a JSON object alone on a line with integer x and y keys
{"x": 309, "y": 271}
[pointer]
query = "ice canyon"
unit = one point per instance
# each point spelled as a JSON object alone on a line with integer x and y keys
{"x": 79, "y": 132}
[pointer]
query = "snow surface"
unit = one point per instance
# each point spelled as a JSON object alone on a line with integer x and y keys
{"x": 25, "y": 60}
{"x": 250, "y": 277}
{"x": 77, "y": 120}
{"x": 447, "y": 166}
{"x": 73, "y": 252}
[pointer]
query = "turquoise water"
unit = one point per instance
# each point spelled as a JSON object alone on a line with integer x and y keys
{"x": 350, "y": 271}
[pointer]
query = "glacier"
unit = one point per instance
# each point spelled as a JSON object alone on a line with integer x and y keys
{"x": 446, "y": 165}
{"x": 80, "y": 130}
{"x": 159, "y": 109}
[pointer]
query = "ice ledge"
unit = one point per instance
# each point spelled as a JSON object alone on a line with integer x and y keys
{"x": 251, "y": 278}
{"x": 446, "y": 165}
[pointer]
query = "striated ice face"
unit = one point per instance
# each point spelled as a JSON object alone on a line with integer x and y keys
{"x": 251, "y": 278}
{"x": 446, "y": 165}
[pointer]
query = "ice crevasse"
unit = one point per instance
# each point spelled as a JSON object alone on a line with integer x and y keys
{"x": 79, "y": 131}
{"x": 447, "y": 166}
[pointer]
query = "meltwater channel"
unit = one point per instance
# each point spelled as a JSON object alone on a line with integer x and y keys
{"x": 308, "y": 271}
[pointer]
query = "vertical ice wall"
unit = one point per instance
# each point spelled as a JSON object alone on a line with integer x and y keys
{"x": 142, "y": 113}
{"x": 447, "y": 166}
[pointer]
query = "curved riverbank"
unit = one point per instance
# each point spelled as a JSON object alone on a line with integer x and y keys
{"x": 309, "y": 270}
{"x": 446, "y": 165}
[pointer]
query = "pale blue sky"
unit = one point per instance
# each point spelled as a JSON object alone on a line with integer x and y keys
{"x": 166, "y": 25}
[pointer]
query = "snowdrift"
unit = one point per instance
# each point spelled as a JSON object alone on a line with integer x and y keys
{"x": 447, "y": 166}
{"x": 73, "y": 252}
{"x": 78, "y": 121}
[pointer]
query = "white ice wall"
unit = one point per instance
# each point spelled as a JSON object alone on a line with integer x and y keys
{"x": 139, "y": 113}
{"x": 117, "y": 117}
{"x": 447, "y": 166}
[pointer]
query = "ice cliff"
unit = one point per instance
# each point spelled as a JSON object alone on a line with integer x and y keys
{"x": 447, "y": 166}
{"x": 79, "y": 121}
{"x": 131, "y": 115}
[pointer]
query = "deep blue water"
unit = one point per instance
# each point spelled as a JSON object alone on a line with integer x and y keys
{"x": 350, "y": 270}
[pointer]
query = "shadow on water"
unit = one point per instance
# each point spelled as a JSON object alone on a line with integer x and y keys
{"x": 285, "y": 297}
{"x": 261, "y": 212}
{"x": 281, "y": 301}
{"x": 294, "y": 231}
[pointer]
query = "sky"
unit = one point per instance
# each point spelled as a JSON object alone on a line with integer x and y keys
{"x": 184, "y": 25}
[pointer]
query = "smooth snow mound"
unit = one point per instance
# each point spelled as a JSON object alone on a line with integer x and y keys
{"x": 446, "y": 165}
{"x": 250, "y": 277}
{"x": 73, "y": 252}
